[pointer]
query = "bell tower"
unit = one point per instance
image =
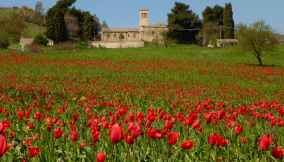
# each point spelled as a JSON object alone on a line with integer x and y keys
{"x": 143, "y": 18}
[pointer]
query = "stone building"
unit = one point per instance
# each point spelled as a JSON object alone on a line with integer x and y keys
{"x": 132, "y": 37}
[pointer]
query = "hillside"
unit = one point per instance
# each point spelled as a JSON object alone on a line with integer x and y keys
{"x": 31, "y": 29}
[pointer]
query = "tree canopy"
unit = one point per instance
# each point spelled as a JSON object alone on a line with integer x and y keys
{"x": 228, "y": 21}
{"x": 183, "y": 24}
{"x": 64, "y": 23}
{"x": 258, "y": 39}
{"x": 56, "y": 27}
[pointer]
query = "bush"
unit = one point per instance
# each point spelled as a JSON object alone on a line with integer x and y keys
{"x": 4, "y": 41}
{"x": 82, "y": 45}
{"x": 40, "y": 40}
{"x": 34, "y": 48}
{"x": 65, "y": 46}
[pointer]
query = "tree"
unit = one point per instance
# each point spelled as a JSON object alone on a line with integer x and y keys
{"x": 40, "y": 40}
{"x": 38, "y": 17}
{"x": 91, "y": 26}
{"x": 56, "y": 26}
{"x": 12, "y": 27}
{"x": 87, "y": 26}
{"x": 212, "y": 24}
{"x": 39, "y": 8}
{"x": 257, "y": 39}
{"x": 228, "y": 21}
{"x": 183, "y": 24}
{"x": 104, "y": 25}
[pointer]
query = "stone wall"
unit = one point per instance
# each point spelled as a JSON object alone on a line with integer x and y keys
{"x": 153, "y": 33}
{"x": 121, "y": 44}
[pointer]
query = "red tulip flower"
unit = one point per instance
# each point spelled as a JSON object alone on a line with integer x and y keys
{"x": 37, "y": 115}
{"x": 58, "y": 133}
{"x": 173, "y": 137}
{"x": 244, "y": 140}
{"x": 238, "y": 129}
{"x": 101, "y": 157}
{"x": 264, "y": 142}
{"x": 3, "y": 145}
{"x": 115, "y": 133}
{"x": 33, "y": 151}
{"x": 217, "y": 140}
{"x": 129, "y": 139}
{"x": 278, "y": 152}
{"x": 74, "y": 135}
{"x": 20, "y": 115}
{"x": 188, "y": 144}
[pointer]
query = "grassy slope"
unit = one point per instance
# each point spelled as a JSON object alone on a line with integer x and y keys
{"x": 31, "y": 29}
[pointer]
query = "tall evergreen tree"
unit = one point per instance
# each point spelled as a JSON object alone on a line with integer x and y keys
{"x": 56, "y": 26}
{"x": 212, "y": 24}
{"x": 88, "y": 26}
{"x": 39, "y": 10}
{"x": 228, "y": 21}
{"x": 38, "y": 16}
{"x": 184, "y": 24}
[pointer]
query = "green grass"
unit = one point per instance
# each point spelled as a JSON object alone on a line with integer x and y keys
{"x": 33, "y": 30}
{"x": 173, "y": 79}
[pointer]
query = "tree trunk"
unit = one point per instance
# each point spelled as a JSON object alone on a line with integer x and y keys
{"x": 260, "y": 63}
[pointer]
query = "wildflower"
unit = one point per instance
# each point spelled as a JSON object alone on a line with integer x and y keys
{"x": 58, "y": 133}
{"x": 74, "y": 135}
{"x": 129, "y": 139}
{"x": 173, "y": 137}
{"x": 264, "y": 142}
{"x": 188, "y": 144}
{"x": 33, "y": 151}
{"x": 238, "y": 129}
{"x": 278, "y": 152}
{"x": 37, "y": 115}
{"x": 3, "y": 145}
{"x": 244, "y": 140}
{"x": 20, "y": 115}
{"x": 101, "y": 157}
{"x": 115, "y": 133}
{"x": 217, "y": 140}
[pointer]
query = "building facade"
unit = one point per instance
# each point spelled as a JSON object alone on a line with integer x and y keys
{"x": 132, "y": 37}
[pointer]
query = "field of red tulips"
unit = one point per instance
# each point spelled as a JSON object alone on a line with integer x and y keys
{"x": 176, "y": 104}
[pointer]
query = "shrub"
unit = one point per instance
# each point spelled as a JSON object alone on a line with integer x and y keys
{"x": 34, "y": 48}
{"x": 4, "y": 41}
{"x": 65, "y": 46}
{"x": 40, "y": 40}
{"x": 82, "y": 45}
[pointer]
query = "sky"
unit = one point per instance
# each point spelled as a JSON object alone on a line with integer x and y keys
{"x": 124, "y": 13}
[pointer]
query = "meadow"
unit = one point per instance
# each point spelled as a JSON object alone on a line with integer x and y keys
{"x": 182, "y": 103}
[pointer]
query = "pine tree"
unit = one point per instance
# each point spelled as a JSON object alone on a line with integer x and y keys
{"x": 184, "y": 24}
{"x": 228, "y": 21}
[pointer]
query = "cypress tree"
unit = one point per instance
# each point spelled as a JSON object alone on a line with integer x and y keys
{"x": 228, "y": 21}
{"x": 56, "y": 26}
